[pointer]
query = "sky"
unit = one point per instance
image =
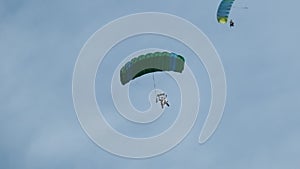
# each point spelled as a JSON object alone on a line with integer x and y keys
{"x": 41, "y": 40}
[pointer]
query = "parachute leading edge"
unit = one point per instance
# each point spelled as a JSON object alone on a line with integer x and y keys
{"x": 151, "y": 62}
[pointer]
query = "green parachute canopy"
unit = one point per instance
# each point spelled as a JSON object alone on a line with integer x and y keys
{"x": 224, "y": 10}
{"x": 151, "y": 62}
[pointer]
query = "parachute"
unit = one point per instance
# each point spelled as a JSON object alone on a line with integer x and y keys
{"x": 224, "y": 10}
{"x": 151, "y": 62}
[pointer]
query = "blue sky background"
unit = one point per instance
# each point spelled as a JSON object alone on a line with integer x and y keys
{"x": 39, "y": 44}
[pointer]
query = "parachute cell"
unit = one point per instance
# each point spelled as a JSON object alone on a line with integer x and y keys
{"x": 224, "y": 10}
{"x": 151, "y": 62}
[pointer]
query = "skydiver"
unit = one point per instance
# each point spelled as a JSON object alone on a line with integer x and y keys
{"x": 231, "y": 24}
{"x": 162, "y": 97}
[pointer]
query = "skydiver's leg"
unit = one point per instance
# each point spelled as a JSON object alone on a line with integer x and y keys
{"x": 167, "y": 104}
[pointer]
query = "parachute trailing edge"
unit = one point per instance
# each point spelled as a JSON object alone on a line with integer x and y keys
{"x": 224, "y": 10}
{"x": 151, "y": 62}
